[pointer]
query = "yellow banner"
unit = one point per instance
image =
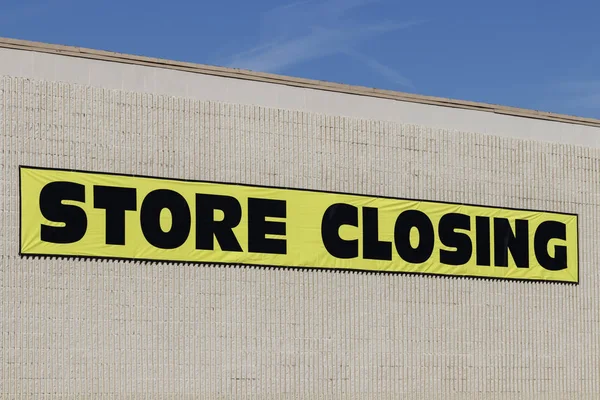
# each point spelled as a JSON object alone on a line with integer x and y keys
{"x": 89, "y": 214}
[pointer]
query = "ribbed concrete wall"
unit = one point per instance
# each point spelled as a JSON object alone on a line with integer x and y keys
{"x": 76, "y": 327}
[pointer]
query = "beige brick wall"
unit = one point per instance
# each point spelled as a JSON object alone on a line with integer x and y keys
{"x": 76, "y": 327}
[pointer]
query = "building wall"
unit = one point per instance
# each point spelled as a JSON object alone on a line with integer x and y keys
{"x": 170, "y": 82}
{"x": 74, "y": 327}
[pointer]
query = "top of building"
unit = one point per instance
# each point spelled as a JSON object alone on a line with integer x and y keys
{"x": 72, "y": 51}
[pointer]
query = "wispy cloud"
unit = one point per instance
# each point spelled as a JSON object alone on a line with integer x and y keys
{"x": 389, "y": 73}
{"x": 309, "y": 30}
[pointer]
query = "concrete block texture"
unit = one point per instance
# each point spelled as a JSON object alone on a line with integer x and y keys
{"x": 73, "y": 328}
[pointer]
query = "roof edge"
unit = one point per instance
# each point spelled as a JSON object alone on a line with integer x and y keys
{"x": 235, "y": 73}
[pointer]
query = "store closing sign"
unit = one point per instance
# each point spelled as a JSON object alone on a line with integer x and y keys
{"x": 89, "y": 214}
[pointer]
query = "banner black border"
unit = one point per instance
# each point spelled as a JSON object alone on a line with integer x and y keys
{"x": 21, "y": 167}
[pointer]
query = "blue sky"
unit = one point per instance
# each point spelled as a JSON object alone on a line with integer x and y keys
{"x": 538, "y": 55}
